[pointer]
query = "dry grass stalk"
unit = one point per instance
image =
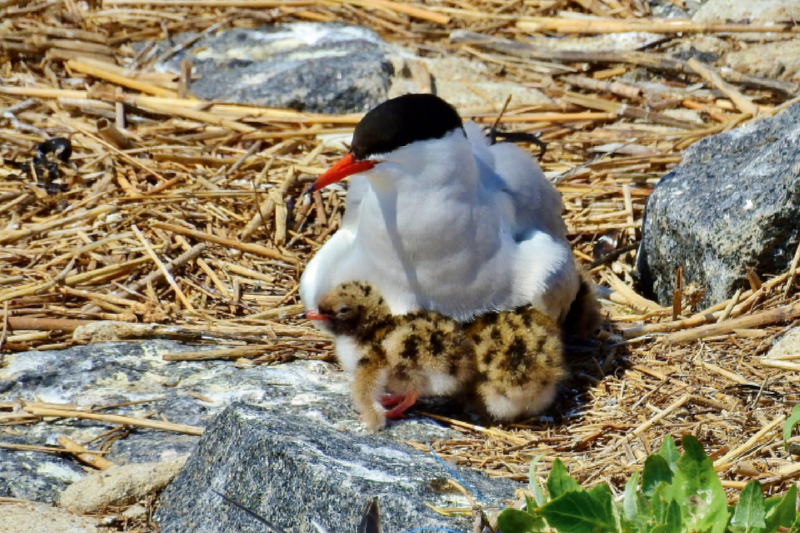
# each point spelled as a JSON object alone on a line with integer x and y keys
{"x": 245, "y": 247}
{"x": 646, "y": 425}
{"x": 711, "y": 76}
{"x": 224, "y": 353}
{"x": 84, "y": 455}
{"x": 728, "y": 457}
{"x": 762, "y": 318}
{"x": 570, "y": 26}
{"x": 116, "y": 419}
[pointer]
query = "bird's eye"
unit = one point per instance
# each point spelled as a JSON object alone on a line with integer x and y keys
{"x": 343, "y": 311}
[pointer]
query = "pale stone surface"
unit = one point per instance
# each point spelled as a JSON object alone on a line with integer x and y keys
{"x": 119, "y": 485}
{"x": 789, "y": 344}
{"x": 705, "y": 48}
{"x": 31, "y": 517}
{"x": 463, "y": 83}
{"x": 770, "y": 60}
{"x": 135, "y": 512}
{"x": 721, "y": 11}
{"x": 624, "y": 41}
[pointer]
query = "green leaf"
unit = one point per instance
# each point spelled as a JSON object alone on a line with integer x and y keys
{"x": 630, "y": 504}
{"x": 673, "y": 518}
{"x": 579, "y": 511}
{"x": 698, "y": 491}
{"x": 782, "y": 514}
{"x": 790, "y": 423}
{"x": 660, "y": 503}
{"x": 645, "y": 507}
{"x": 516, "y": 521}
{"x": 670, "y": 452}
{"x": 533, "y": 483}
{"x": 533, "y": 510}
{"x": 559, "y": 482}
{"x": 772, "y": 502}
{"x": 656, "y": 470}
{"x": 602, "y": 496}
{"x": 530, "y": 505}
{"x": 750, "y": 511}
{"x": 795, "y": 527}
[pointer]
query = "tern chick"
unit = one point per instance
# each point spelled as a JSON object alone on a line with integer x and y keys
{"x": 508, "y": 363}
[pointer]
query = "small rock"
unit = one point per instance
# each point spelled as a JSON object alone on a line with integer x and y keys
{"x": 667, "y": 9}
{"x": 292, "y": 470}
{"x": 789, "y": 344}
{"x": 135, "y": 512}
{"x": 30, "y": 517}
{"x": 119, "y": 485}
{"x": 732, "y": 203}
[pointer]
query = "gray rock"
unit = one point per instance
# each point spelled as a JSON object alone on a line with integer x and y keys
{"x": 111, "y": 373}
{"x": 732, "y": 203}
{"x": 667, "y": 9}
{"x": 292, "y": 470}
{"x": 325, "y": 68}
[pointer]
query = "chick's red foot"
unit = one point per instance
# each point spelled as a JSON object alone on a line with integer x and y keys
{"x": 407, "y": 401}
{"x": 390, "y": 400}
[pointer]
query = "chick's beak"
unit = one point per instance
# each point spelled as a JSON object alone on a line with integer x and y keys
{"x": 314, "y": 314}
{"x": 346, "y": 166}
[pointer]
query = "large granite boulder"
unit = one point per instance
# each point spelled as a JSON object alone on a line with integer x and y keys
{"x": 108, "y": 374}
{"x": 294, "y": 471}
{"x": 732, "y": 203}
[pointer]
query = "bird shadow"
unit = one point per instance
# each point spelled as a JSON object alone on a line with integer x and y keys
{"x": 589, "y": 363}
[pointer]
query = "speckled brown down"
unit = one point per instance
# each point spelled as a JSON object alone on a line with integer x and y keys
{"x": 509, "y": 363}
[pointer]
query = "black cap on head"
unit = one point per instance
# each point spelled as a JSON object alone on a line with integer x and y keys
{"x": 401, "y": 121}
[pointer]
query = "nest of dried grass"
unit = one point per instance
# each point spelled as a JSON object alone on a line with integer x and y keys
{"x": 193, "y": 216}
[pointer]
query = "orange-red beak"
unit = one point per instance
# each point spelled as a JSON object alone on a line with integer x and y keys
{"x": 346, "y": 166}
{"x": 315, "y": 315}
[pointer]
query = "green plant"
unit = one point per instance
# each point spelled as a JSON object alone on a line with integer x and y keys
{"x": 790, "y": 423}
{"x": 677, "y": 494}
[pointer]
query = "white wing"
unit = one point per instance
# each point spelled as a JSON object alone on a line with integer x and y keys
{"x": 532, "y": 201}
{"x": 544, "y": 271}
{"x": 316, "y": 279}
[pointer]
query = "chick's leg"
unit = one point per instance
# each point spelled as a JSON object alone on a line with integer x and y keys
{"x": 407, "y": 401}
{"x": 366, "y": 381}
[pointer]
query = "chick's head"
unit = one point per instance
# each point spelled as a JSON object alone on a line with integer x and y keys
{"x": 352, "y": 307}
